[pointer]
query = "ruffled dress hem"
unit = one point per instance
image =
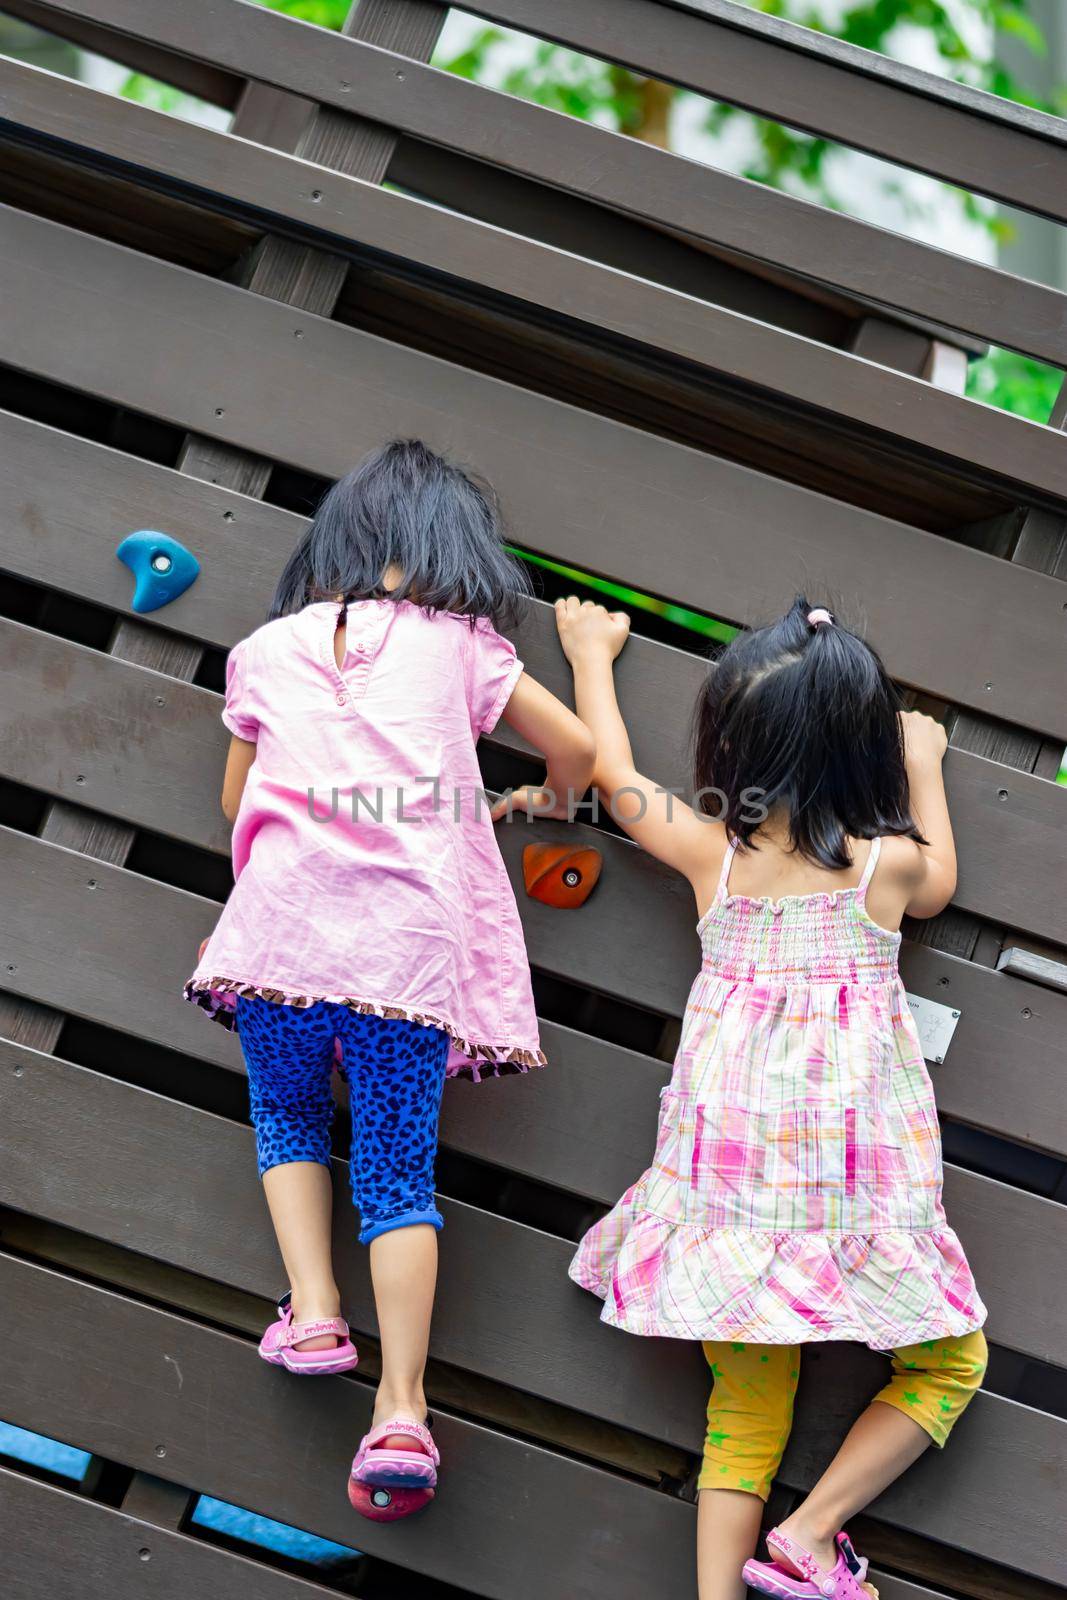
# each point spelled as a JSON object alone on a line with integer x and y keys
{"x": 646, "y": 1281}
{"x": 218, "y": 997}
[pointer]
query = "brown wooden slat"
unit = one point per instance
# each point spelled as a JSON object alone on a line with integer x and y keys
{"x": 103, "y": 130}
{"x": 810, "y": 81}
{"x": 577, "y": 486}
{"x": 1006, "y": 151}
{"x": 194, "y": 77}
{"x": 66, "y": 500}
{"x": 115, "y": 1376}
{"x": 57, "y": 1542}
{"x": 55, "y": 1537}
{"x": 45, "y": 1106}
{"x": 552, "y": 1341}
{"x": 1005, "y": 1069}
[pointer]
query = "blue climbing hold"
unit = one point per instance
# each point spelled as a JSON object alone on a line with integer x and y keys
{"x": 163, "y": 568}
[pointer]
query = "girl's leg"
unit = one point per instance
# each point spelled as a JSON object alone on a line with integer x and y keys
{"x": 289, "y": 1056}
{"x": 396, "y": 1072}
{"x": 750, "y": 1413}
{"x": 931, "y": 1385}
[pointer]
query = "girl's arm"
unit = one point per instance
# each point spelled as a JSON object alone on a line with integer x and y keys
{"x": 239, "y": 761}
{"x": 925, "y": 743}
{"x": 663, "y": 824}
{"x": 564, "y": 741}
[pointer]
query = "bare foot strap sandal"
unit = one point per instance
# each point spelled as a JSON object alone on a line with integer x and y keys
{"x": 410, "y": 1467}
{"x": 846, "y": 1581}
{"x": 277, "y": 1344}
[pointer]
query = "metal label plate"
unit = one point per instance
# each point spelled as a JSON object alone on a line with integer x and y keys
{"x": 936, "y": 1024}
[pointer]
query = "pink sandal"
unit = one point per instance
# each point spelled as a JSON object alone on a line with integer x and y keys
{"x": 847, "y": 1581}
{"x": 276, "y": 1345}
{"x": 397, "y": 1469}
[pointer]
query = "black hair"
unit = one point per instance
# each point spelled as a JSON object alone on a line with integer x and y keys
{"x": 404, "y": 506}
{"x": 803, "y": 717}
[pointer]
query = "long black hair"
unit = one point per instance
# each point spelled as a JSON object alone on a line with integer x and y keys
{"x": 406, "y": 507}
{"x": 803, "y": 716}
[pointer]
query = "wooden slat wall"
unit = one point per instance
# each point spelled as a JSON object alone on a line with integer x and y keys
{"x": 641, "y": 181}
{"x": 558, "y": 467}
{"x": 37, "y": 105}
{"x": 138, "y": 1252}
{"x": 973, "y": 140}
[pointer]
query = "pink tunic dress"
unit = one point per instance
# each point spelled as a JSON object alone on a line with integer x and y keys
{"x": 795, "y": 1190}
{"x": 366, "y": 866}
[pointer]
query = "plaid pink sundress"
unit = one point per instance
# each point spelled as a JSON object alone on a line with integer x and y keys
{"x": 795, "y": 1190}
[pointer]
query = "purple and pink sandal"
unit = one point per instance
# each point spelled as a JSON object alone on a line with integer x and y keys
{"x": 387, "y": 1484}
{"x": 276, "y": 1345}
{"x": 847, "y": 1580}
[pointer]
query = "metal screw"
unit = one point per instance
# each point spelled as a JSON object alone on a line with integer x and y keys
{"x": 316, "y": 194}
{"x": 1002, "y": 794}
{"x": 298, "y": 333}
{"x": 1027, "y": 1013}
{"x": 227, "y": 516}
{"x": 92, "y": 883}
{"x": 144, "y": 1553}
{"x": 160, "y": 701}
{"x": 220, "y": 411}
{"x": 942, "y": 983}
{"x": 400, "y": 76}
{"x": 955, "y": 1013}
{"x": 18, "y": 1072}
{"x": 938, "y": 1060}
{"x": 80, "y": 778}
{"x": 161, "y": 1449}
{"x": 345, "y": 87}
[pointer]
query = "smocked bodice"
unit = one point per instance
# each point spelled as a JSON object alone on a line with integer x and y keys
{"x": 811, "y": 938}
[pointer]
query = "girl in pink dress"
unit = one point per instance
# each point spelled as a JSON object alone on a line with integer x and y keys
{"x": 795, "y": 1190}
{"x": 372, "y": 918}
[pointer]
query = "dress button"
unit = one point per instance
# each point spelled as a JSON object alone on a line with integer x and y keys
{"x": 341, "y": 698}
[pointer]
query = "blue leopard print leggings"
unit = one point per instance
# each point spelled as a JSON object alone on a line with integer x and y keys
{"x": 395, "y": 1071}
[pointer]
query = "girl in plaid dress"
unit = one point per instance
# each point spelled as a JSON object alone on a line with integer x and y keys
{"x": 795, "y": 1191}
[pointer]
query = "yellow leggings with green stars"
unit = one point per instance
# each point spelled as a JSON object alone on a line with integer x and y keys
{"x": 750, "y": 1412}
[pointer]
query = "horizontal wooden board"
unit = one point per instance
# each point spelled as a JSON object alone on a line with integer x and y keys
{"x": 115, "y": 135}
{"x": 170, "y": 1397}
{"x": 1006, "y": 1066}
{"x": 66, "y": 501}
{"x": 1004, "y": 1071}
{"x": 123, "y": 739}
{"x": 551, "y": 1339}
{"x": 970, "y": 139}
{"x": 57, "y": 1542}
{"x": 194, "y": 77}
{"x": 53, "y": 1538}
{"x": 576, "y": 487}
{"x": 809, "y": 80}
{"x": 69, "y": 1127}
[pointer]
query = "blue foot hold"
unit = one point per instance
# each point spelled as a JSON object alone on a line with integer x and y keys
{"x": 163, "y": 568}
